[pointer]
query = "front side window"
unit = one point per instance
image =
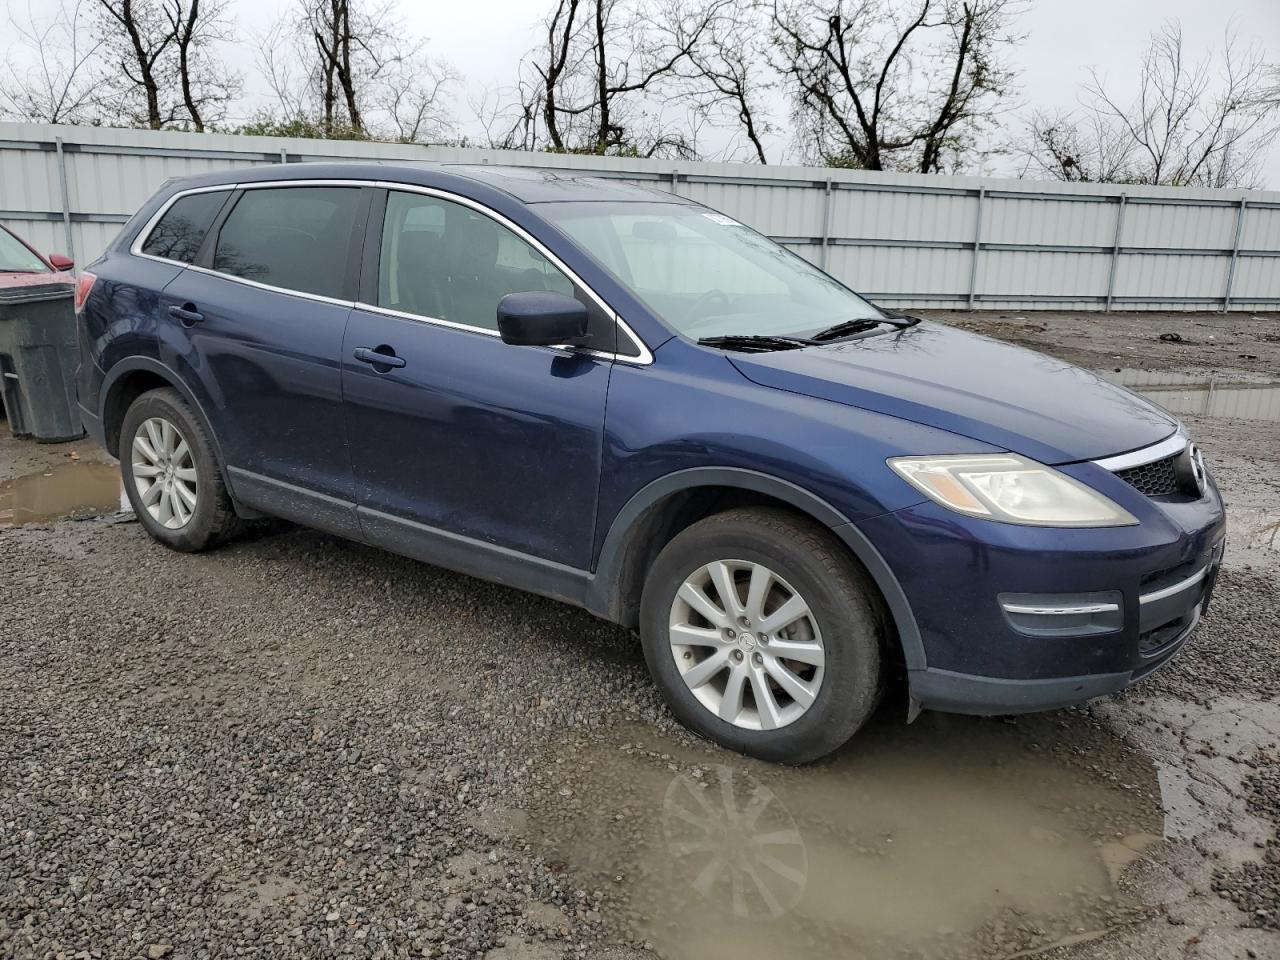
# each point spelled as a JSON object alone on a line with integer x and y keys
{"x": 182, "y": 229}
{"x": 16, "y": 258}
{"x": 446, "y": 261}
{"x": 291, "y": 237}
{"x": 704, "y": 273}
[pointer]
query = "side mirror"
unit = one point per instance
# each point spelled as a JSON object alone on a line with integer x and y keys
{"x": 541, "y": 318}
{"x": 60, "y": 262}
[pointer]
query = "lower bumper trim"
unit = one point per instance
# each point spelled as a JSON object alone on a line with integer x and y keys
{"x": 990, "y": 696}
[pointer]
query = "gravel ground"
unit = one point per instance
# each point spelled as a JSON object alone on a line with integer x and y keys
{"x": 297, "y": 746}
{"x": 1244, "y": 345}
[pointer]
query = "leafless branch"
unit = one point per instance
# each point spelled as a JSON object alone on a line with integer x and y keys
{"x": 54, "y": 66}
{"x": 881, "y": 85}
{"x": 1206, "y": 123}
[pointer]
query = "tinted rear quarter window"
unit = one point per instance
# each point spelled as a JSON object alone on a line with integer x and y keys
{"x": 291, "y": 237}
{"x": 182, "y": 229}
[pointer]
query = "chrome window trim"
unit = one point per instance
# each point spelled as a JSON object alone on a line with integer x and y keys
{"x": 135, "y": 248}
{"x": 1173, "y": 589}
{"x": 1061, "y": 611}
{"x": 485, "y": 331}
{"x": 645, "y": 355}
{"x": 319, "y": 298}
{"x": 1167, "y": 447}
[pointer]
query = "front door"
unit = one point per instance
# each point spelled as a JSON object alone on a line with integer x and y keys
{"x": 459, "y": 434}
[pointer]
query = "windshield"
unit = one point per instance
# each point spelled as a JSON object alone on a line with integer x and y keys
{"x": 705, "y": 274}
{"x": 16, "y": 258}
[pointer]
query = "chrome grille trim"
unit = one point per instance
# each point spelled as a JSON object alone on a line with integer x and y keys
{"x": 1168, "y": 447}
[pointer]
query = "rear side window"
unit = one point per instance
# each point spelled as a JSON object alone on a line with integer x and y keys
{"x": 182, "y": 229}
{"x": 291, "y": 237}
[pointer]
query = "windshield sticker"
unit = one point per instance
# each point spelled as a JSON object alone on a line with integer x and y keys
{"x": 721, "y": 219}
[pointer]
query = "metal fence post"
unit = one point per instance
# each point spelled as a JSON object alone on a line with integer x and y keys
{"x": 675, "y": 177}
{"x": 66, "y": 199}
{"x": 1235, "y": 255}
{"x": 284, "y": 154}
{"x": 1115, "y": 249}
{"x": 826, "y": 225}
{"x": 977, "y": 247}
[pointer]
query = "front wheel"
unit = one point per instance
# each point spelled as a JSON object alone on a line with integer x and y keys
{"x": 763, "y": 634}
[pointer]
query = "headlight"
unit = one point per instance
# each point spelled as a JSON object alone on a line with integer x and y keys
{"x": 1005, "y": 486}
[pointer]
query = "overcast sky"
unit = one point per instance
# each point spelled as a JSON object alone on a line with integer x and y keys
{"x": 485, "y": 39}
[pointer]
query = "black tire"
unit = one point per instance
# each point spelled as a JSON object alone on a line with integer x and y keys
{"x": 213, "y": 519}
{"x": 841, "y": 597}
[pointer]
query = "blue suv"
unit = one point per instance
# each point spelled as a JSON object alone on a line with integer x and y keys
{"x": 627, "y": 401}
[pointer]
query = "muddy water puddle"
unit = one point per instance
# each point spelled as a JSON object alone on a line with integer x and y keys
{"x": 1182, "y": 393}
{"x": 75, "y": 489}
{"x": 953, "y": 837}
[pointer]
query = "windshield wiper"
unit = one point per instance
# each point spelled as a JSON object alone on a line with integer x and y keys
{"x": 754, "y": 343}
{"x": 900, "y": 320}
{"x": 846, "y": 328}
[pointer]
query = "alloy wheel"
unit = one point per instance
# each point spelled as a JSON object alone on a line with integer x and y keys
{"x": 164, "y": 473}
{"x": 746, "y": 644}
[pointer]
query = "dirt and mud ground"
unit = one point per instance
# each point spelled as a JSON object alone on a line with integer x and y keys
{"x": 297, "y": 746}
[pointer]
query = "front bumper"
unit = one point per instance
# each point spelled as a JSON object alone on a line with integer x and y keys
{"x": 1018, "y": 619}
{"x": 1166, "y": 623}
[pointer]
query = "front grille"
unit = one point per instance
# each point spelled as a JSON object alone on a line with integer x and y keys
{"x": 1156, "y": 479}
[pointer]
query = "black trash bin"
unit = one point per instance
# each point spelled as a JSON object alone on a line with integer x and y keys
{"x": 38, "y": 361}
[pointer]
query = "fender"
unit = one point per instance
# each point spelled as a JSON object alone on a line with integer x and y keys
{"x": 602, "y": 596}
{"x": 132, "y": 365}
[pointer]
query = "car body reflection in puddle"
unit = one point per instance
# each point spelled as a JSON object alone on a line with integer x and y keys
{"x": 952, "y": 837}
{"x": 74, "y": 489}
{"x": 1183, "y": 394}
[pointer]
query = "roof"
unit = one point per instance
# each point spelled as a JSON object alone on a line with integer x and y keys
{"x": 544, "y": 186}
{"x": 525, "y": 184}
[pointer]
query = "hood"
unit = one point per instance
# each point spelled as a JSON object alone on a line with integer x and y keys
{"x": 973, "y": 386}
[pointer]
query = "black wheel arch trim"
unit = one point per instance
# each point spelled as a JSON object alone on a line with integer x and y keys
{"x": 603, "y": 595}
{"x": 135, "y": 364}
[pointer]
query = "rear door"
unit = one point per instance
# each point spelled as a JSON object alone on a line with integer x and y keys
{"x": 466, "y": 435}
{"x": 258, "y": 322}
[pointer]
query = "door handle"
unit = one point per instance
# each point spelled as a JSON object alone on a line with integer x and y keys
{"x": 187, "y": 313}
{"x": 382, "y": 356}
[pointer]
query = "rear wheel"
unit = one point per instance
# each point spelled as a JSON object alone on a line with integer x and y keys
{"x": 763, "y": 634}
{"x": 171, "y": 473}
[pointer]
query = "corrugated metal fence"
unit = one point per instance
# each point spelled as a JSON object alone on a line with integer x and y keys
{"x": 903, "y": 239}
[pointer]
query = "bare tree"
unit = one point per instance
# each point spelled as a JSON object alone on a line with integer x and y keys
{"x": 412, "y": 93}
{"x": 607, "y": 72}
{"x": 351, "y": 69}
{"x": 731, "y": 74}
{"x": 878, "y": 85}
{"x": 506, "y": 117}
{"x": 54, "y": 67}
{"x": 206, "y": 84}
{"x": 167, "y": 72}
{"x": 331, "y": 29}
{"x": 138, "y": 38}
{"x": 1076, "y": 148}
{"x": 1207, "y": 123}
